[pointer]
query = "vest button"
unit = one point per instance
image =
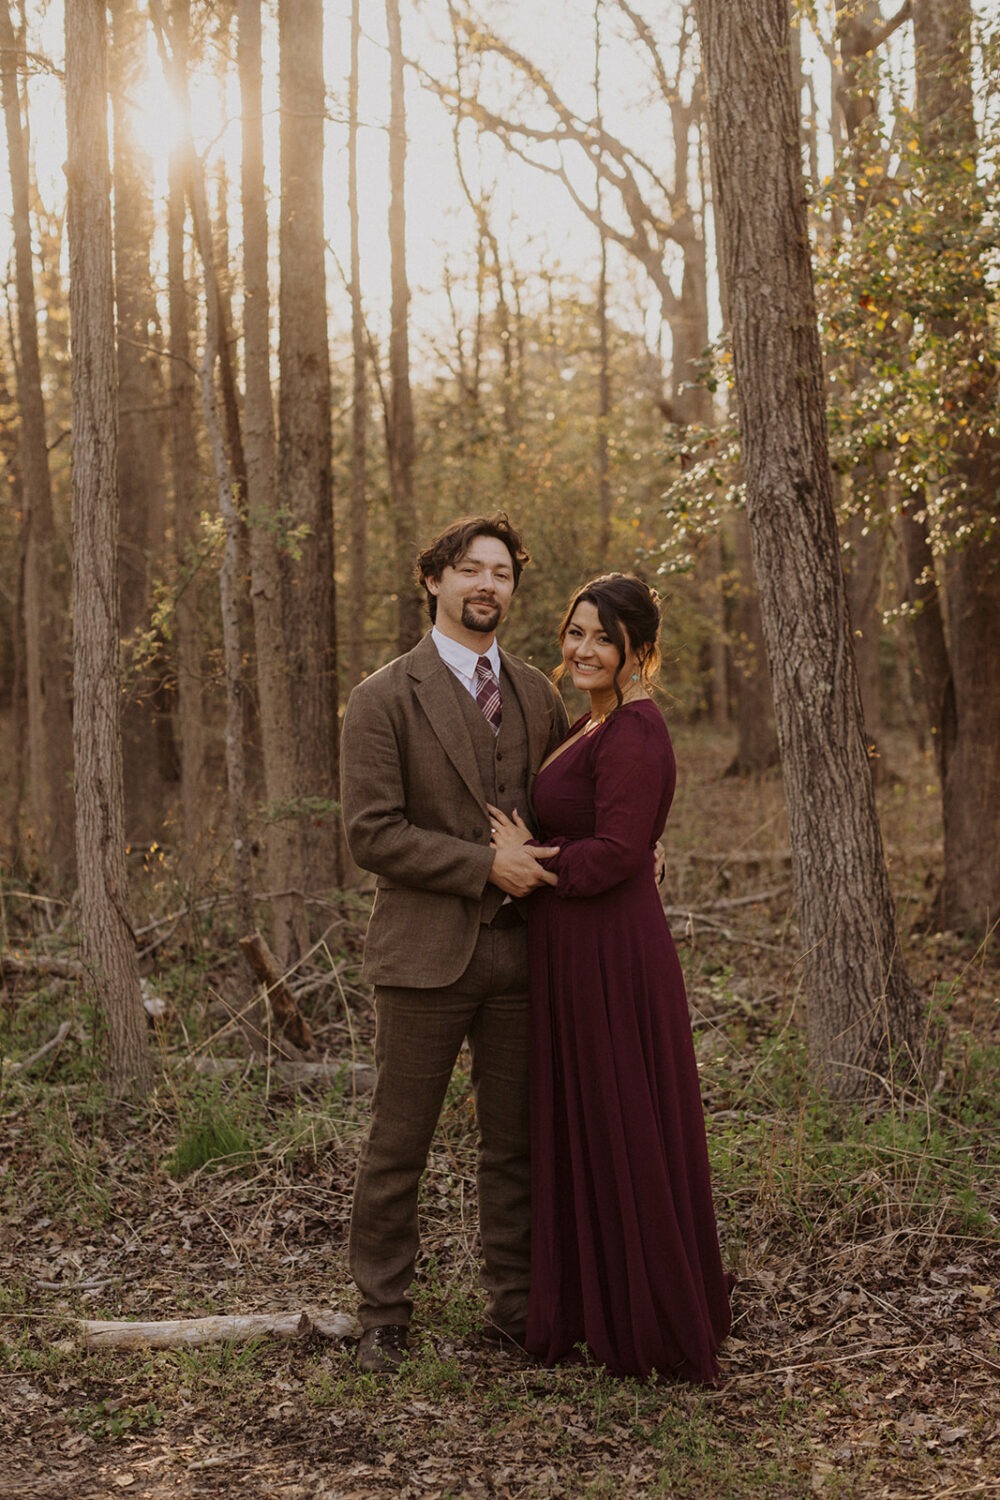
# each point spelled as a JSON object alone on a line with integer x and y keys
{"x": 501, "y": 787}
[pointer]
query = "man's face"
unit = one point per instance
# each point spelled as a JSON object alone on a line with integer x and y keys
{"x": 473, "y": 597}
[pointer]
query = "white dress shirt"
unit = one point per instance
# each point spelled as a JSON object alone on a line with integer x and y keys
{"x": 462, "y": 661}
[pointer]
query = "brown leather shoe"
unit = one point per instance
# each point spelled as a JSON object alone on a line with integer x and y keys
{"x": 382, "y": 1349}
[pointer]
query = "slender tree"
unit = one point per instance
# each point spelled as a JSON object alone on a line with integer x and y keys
{"x": 965, "y": 699}
{"x": 108, "y": 941}
{"x": 866, "y": 1019}
{"x": 269, "y": 582}
{"x": 304, "y": 438}
{"x": 182, "y": 387}
{"x": 358, "y": 587}
{"x": 141, "y": 489}
{"x": 227, "y": 462}
{"x": 402, "y": 448}
{"x": 49, "y": 731}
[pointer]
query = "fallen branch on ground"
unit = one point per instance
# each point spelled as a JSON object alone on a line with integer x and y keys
{"x": 287, "y": 1017}
{"x": 52, "y": 1045}
{"x": 191, "y": 1333}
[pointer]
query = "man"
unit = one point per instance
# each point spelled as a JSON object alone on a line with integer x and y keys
{"x": 428, "y": 741}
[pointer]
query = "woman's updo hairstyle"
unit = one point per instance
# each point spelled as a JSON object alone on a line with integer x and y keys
{"x": 629, "y": 612}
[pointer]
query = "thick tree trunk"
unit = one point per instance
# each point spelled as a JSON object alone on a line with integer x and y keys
{"x": 277, "y": 711}
{"x": 184, "y": 467}
{"x": 50, "y": 740}
{"x": 108, "y": 942}
{"x": 304, "y": 459}
{"x": 402, "y": 447}
{"x": 866, "y": 1020}
{"x": 971, "y": 787}
{"x": 142, "y": 498}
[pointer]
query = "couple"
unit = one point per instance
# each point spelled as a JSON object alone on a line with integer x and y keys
{"x": 602, "y": 1234}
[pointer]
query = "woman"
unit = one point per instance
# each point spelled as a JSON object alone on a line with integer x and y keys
{"x": 625, "y": 1256}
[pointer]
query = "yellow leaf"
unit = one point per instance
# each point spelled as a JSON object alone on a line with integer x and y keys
{"x": 968, "y": 165}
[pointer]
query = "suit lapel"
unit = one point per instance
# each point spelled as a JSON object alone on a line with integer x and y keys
{"x": 436, "y": 695}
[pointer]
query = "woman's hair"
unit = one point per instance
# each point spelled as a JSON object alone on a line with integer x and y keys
{"x": 450, "y": 545}
{"x": 629, "y": 612}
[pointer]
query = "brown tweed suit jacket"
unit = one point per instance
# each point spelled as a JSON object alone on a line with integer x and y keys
{"x": 415, "y": 812}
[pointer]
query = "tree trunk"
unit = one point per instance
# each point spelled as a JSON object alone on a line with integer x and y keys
{"x": 142, "y": 499}
{"x": 971, "y": 788}
{"x": 304, "y": 464}
{"x": 866, "y": 1019}
{"x": 277, "y": 711}
{"x": 50, "y": 739}
{"x": 108, "y": 943}
{"x": 402, "y": 439}
{"x": 358, "y": 587}
{"x": 184, "y": 467}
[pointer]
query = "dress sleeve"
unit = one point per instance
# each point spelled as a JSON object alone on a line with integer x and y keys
{"x": 633, "y": 767}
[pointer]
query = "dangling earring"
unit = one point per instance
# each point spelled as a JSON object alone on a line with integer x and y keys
{"x": 635, "y": 677}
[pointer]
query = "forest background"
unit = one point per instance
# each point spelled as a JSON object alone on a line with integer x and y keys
{"x": 290, "y": 286}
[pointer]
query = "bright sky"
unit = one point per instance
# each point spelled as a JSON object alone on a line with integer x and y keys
{"x": 532, "y": 215}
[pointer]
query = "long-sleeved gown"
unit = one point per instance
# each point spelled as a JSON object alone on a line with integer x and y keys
{"x": 625, "y": 1254}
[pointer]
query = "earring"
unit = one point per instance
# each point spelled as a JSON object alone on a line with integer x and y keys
{"x": 635, "y": 677}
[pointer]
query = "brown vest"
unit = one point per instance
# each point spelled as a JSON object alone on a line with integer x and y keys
{"x": 502, "y": 760}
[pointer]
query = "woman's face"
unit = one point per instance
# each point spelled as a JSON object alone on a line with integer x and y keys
{"x": 591, "y": 657}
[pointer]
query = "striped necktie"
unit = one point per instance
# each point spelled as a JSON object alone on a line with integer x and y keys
{"x": 488, "y": 693}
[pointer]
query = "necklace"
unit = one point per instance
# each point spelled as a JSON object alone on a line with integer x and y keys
{"x": 593, "y": 724}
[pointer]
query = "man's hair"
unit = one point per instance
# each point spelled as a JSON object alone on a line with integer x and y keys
{"x": 455, "y": 540}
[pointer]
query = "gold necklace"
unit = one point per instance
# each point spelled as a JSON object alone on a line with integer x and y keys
{"x": 593, "y": 724}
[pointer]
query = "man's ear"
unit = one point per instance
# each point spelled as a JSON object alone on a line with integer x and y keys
{"x": 432, "y": 585}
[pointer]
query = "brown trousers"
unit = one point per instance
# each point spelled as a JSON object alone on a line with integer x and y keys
{"x": 419, "y": 1034}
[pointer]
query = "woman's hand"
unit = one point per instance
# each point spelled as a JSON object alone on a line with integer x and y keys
{"x": 507, "y": 833}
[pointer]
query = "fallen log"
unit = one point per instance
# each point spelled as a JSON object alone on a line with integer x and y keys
{"x": 191, "y": 1333}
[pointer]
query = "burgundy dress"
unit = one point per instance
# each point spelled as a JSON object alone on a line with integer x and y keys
{"x": 624, "y": 1251}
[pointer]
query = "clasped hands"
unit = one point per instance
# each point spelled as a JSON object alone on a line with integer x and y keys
{"x": 516, "y": 868}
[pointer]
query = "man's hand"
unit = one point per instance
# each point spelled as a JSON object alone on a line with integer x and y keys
{"x": 516, "y": 869}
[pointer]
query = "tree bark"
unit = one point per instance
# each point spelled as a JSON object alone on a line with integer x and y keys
{"x": 866, "y": 1019}
{"x": 402, "y": 447}
{"x": 757, "y": 743}
{"x": 268, "y": 573}
{"x": 108, "y": 942}
{"x": 304, "y": 455}
{"x": 50, "y": 739}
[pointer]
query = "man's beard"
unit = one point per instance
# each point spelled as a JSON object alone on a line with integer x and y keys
{"x": 486, "y": 624}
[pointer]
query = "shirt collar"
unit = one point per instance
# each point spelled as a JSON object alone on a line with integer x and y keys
{"x": 460, "y": 658}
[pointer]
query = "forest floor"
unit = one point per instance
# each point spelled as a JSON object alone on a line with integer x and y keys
{"x": 865, "y": 1355}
